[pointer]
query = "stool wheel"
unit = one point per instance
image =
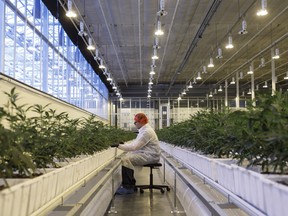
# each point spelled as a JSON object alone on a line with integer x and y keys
{"x": 162, "y": 191}
{"x": 141, "y": 191}
{"x": 168, "y": 189}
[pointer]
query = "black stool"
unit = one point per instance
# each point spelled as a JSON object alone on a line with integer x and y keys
{"x": 151, "y": 185}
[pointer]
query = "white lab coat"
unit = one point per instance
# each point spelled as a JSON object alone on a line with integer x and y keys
{"x": 143, "y": 150}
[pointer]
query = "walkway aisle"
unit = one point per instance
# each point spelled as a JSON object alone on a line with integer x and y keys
{"x": 152, "y": 203}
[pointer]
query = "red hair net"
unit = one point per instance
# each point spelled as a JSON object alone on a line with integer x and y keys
{"x": 141, "y": 118}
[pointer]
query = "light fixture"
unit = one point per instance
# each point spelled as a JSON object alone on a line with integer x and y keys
{"x": 249, "y": 92}
{"x": 114, "y": 87}
{"x": 211, "y": 63}
{"x": 150, "y": 82}
{"x": 82, "y": 31}
{"x": 152, "y": 72}
{"x": 149, "y": 96}
{"x": 243, "y": 93}
{"x": 204, "y": 70}
{"x": 257, "y": 87}
{"x": 96, "y": 57}
{"x": 199, "y": 76}
{"x": 220, "y": 88}
{"x": 286, "y": 77}
{"x": 162, "y": 11}
{"x": 153, "y": 63}
{"x": 184, "y": 92}
{"x": 215, "y": 91}
{"x": 155, "y": 55}
{"x": 159, "y": 31}
{"x": 190, "y": 85}
{"x": 156, "y": 43}
{"x": 265, "y": 85}
{"x": 179, "y": 98}
{"x": 149, "y": 90}
{"x": 219, "y": 51}
{"x": 121, "y": 99}
{"x": 90, "y": 44}
{"x": 194, "y": 80}
{"x": 250, "y": 70}
{"x": 262, "y": 62}
{"x": 276, "y": 54}
{"x": 263, "y": 11}
{"x": 230, "y": 43}
{"x": 241, "y": 75}
{"x": 243, "y": 28}
{"x": 109, "y": 78}
{"x": 102, "y": 66}
{"x": 70, "y": 12}
{"x": 117, "y": 93}
{"x": 210, "y": 94}
{"x": 232, "y": 81}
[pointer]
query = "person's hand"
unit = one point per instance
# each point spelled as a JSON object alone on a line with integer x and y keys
{"x": 114, "y": 145}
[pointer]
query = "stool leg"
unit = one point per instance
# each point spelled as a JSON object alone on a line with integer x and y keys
{"x": 151, "y": 177}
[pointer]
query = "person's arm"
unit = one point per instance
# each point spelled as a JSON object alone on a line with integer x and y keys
{"x": 138, "y": 143}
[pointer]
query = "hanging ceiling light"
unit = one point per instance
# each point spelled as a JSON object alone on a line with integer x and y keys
{"x": 121, "y": 98}
{"x": 276, "y": 54}
{"x": 102, "y": 66}
{"x": 194, "y": 80}
{"x": 250, "y": 70}
{"x": 210, "y": 94}
{"x": 249, "y": 92}
{"x": 265, "y": 85}
{"x": 262, "y": 62}
{"x": 109, "y": 78}
{"x": 199, "y": 76}
{"x": 70, "y": 12}
{"x": 150, "y": 82}
{"x": 90, "y": 44}
{"x": 155, "y": 55}
{"x": 96, "y": 57}
{"x": 204, "y": 70}
{"x": 219, "y": 51}
{"x": 243, "y": 27}
{"x": 232, "y": 81}
{"x": 263, "y": 10}
{"x": 159, "y": 31}
{"x": 220, "y": 88}
{"x": 179, "y": 98}
{"x": 230, "y": 43}
{"x": 156, "y": 43}
{"x": 190, "y": 85}
{"x": 241, "y": 75}
{"x": 82, "y": 31}
{"x": 152, "y": 72}
{"x": 210, "y": 65}
{"x": 162, "y": 11}
{"x": 286, "y": 77}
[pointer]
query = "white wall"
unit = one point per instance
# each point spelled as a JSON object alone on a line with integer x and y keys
{"x": 30, "y": 96}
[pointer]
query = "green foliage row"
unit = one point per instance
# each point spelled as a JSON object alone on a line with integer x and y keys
{"x": 39, "y": 141}
{"x": 258, "y": 135}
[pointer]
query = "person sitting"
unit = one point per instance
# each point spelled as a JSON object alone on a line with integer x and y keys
{"x": 143, "y": 150}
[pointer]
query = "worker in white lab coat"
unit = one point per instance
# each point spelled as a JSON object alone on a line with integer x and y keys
{"x": 143, "y": 150}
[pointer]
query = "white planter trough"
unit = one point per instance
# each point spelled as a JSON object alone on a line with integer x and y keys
{"x": 35, "y": 196}
{"x": 259, "y": 191}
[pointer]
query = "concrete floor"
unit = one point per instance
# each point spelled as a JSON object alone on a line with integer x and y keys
{"x": 150, "y": 203}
